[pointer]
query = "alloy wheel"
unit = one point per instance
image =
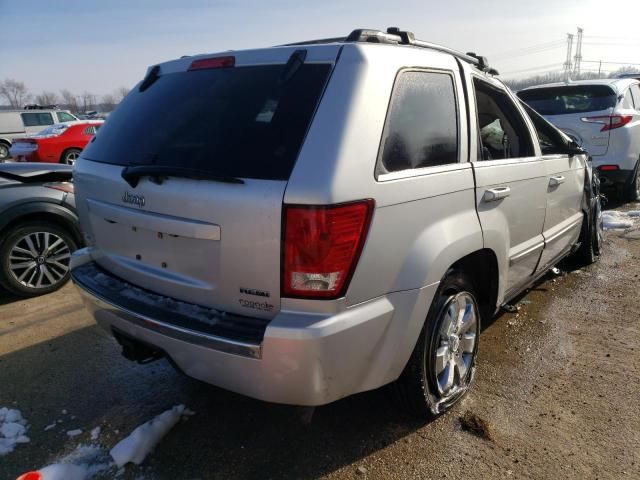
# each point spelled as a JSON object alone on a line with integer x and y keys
{"x": 71, "y": 157}
{"x": 457, "y": 341}
{"x": 39, "y": 260}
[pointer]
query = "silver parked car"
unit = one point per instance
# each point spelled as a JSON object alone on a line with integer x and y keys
{"x": 304, "y": 222}
{"x": 603, "y": 116}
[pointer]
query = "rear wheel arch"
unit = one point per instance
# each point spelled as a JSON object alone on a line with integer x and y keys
{"x": 481, "y": 267}
{"x": 67, "y": 150}
{"x": 49, "y": 213}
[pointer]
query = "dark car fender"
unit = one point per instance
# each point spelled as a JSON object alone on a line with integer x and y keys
{"x": 59, "y": 213}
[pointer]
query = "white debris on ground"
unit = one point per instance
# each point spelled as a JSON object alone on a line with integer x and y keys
{"x": 95, "y": 433}
{"x": 74, "y": 433}
{"x": 13, "y": 430}
{"x": 619, "y": 220}
{"x": 49, "y": 427}
{"x": 87, "y": 461}
{"x": 83, "y": 463}
{"x": 143, "y": 439}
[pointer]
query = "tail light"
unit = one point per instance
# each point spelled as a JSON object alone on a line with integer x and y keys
{"x": 321, "y": 248}
{"x": 609, "y": 122}
{"x": 216, "y": 62}
{"x": 608, "y": 168}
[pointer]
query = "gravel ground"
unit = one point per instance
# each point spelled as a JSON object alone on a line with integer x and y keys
{"x": 557, "y": 388}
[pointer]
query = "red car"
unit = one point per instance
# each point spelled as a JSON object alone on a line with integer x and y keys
{"x": 59, "y": 143}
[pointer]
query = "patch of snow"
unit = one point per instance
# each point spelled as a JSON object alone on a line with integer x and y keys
{"x": 13, "y": 429}
{"x": 95, "y": 433}
{"x": 64, "y": 412}
{"x": 83, "y": 463}
{"x": 143, "y": 439}
{"x": 49, "y": 427}
{"x": 210, "y": 316}
{"x": 619, "y": 220}
{"x": 64, "y": 471}
{"x": 74, "y": 433}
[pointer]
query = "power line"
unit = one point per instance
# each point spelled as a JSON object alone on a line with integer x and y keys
{"x": 612, "y": 63}
{"x": 529, "y": 49}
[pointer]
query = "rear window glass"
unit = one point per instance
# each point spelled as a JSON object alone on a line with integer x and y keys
{"x": 569, "y": 99}
{"x": 246, "y": 122}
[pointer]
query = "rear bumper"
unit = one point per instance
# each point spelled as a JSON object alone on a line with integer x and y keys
{"x": 303, "y": 358}
{"x": 615, "y": 178}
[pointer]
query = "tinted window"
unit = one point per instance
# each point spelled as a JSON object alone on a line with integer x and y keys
{"x": 65, "y": 117}
{"x": 502, "y": 130}
{"x": 422, "y": 127}
{"x": 37, "y": 119}
{"x": 569, "y": 99}
{"x": 244, "y": 122}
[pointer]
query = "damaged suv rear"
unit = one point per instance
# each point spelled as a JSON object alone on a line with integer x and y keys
{"x": 305, "y": 222}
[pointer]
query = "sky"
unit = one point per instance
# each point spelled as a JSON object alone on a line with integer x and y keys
{"x": 99, "y": 45}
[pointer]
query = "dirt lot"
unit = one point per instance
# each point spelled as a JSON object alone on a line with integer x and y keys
{"x": 558, "y": 385}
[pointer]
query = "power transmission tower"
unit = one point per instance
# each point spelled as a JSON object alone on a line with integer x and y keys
{"x": 578, "y": 57}
{"x": 567, "y": 62}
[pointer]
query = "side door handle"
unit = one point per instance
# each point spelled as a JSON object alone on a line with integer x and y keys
{"x": 555, "y": 181}
{"x": 496, "y": 193}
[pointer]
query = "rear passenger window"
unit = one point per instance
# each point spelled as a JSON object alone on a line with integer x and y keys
{"x": 37, "y": 119}
{"x": 422, "y": 124}
{"x": 503, "y": 132}
{"x": 627, "y": 101}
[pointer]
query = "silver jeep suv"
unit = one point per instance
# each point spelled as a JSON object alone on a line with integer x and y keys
{"x": 304, "y": 222}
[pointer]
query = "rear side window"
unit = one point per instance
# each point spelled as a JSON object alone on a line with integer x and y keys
{"x": 37, "y": 119}
{"x": 246, "y": 122}
{"x": 422, "y": 123}
{"x": 569, "y": 99}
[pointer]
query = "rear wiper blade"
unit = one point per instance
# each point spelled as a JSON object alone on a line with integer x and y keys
{"x": 132, "y": 174}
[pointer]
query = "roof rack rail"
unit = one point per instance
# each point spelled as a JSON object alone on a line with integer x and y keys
{"x": 395, "y": 36}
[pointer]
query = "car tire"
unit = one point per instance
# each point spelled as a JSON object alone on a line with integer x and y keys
{"x": 441, "y": 368}
{"x": 591, "y": 236}
{"x": 4, "y": 152}
{"x": 633, "y": 189}
{"x": 70, "y": 156}
{"x": 34, "y": 258}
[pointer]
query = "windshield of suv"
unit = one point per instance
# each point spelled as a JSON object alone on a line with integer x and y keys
{"x": 569, "y": 99}
{"x": 242, "y": 122}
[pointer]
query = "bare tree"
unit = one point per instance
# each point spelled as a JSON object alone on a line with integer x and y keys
{"x": 88, "y": 101}
{"x": 15, "y": 92}
{"x": 120, "y": 93}
{"x": 47, "y": 98}
{"x": 108, "y": 102}
{"x": 70, "y": 100}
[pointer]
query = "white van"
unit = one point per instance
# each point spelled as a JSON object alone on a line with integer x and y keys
{"x": 18, "y": 123}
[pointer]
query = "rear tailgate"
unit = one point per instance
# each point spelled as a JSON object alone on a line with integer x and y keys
{"x": 211, "y": 243}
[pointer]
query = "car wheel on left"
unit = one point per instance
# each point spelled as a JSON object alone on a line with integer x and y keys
{"x": 70, "y": 156}
{"x": 34, "y": 258}
{"x": 4, "y": 152}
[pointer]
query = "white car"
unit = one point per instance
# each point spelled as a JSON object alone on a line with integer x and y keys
{"x": 602, "y": 116}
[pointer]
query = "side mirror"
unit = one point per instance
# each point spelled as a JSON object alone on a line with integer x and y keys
{"x": 573, "y": 148}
